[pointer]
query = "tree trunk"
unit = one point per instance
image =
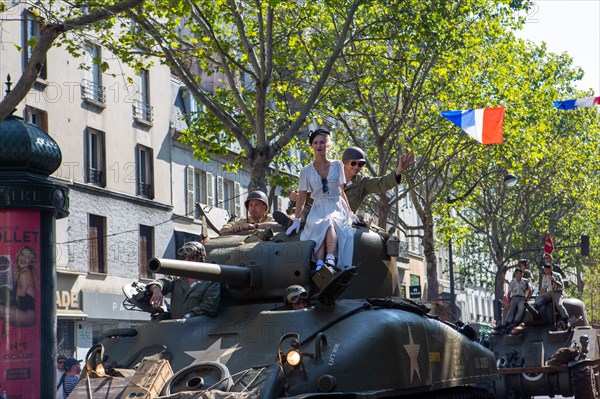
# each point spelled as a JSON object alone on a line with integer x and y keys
{"x": 383, "y": 211}
{"x": 430, "y": 258}
{"x": 499, "y": 292}
{"x": 259, "y": 168}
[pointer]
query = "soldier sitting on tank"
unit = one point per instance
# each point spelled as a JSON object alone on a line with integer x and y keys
{"x": 551, "y": 289}
{"x": 358, "y": 186}
{"x": 190, "y": 297}
{"x": 257, "y": 206}
{"x": 519, "y": 291}
{"x": 547, "y": 258}
{"x": 296, "y": 297}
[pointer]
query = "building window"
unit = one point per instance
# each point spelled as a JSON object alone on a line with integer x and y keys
{"x": 65, "y": 334}
{"x": 230, "y": 199}
{"x": 142, "y": 110}
{"x": 146, "y": 250}
{"x": 92, "y": 90}
{"x": 31, "y": 35}
{"x": 95, "y": 157}
{"x": 144, "y": 161}
{"x": 37, "y": 117}
{"x": 97, "y": 244}
{"x": 195, "y": 190}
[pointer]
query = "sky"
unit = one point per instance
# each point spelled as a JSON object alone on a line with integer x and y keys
{"x": 571, "y": 26}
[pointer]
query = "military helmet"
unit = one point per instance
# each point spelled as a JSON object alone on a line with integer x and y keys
{"x": 294, "y": 293}
{"x": 192, "y": 248}
{"x": 257, "y": 195}
{"x": 354, "y": 154}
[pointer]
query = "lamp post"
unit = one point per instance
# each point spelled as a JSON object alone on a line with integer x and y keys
{"x": 509, "y": 181}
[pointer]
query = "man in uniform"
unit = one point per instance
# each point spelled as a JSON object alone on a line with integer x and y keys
{"x": 518, "y": 292}
{"x": 551, "y": 289}
{"x": 257, "y": 206}
{"x": 524, "y": 266}
{"x": 190, "y": 297}
{"x": 359, "y": 186}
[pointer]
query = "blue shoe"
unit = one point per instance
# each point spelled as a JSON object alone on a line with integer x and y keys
{"x": 320, "y": 264}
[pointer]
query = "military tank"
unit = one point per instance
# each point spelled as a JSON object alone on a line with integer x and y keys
{"x": 357, "y": 337}
{"x": 541, "y": 358}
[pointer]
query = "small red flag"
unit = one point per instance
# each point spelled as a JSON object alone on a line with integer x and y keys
{"x": 548, "y": 245}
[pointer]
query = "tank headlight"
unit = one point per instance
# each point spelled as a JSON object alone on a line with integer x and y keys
{"x": 294, "y": 358}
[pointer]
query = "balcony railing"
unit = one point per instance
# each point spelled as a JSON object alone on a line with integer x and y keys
{"x": 143, "y": 112}
{"x": 95, "y": 176}
{"x": 92, "y": 91}
{"x": 145, "y": 190}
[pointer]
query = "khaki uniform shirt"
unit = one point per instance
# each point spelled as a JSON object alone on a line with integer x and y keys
{"x": 519, "y": 288}
{"x": 547, "y": 283}
{"x": 240, "y": 222}
{"x": 360, "y": 186}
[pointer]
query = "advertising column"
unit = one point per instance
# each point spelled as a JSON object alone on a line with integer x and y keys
{"x": 30, "y": 203}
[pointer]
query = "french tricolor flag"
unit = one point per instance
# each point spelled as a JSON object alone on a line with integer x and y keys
{"x": 484, "y": 125}
{"x": 587, "y": 102}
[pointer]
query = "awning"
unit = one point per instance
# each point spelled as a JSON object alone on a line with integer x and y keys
{"x": 71, "y": 313}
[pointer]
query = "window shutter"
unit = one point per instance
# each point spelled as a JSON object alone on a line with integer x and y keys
{"x": 236, "y": 196}
{"x": 143, "y": 257}
{"x": 279, "y": 202}
{"x": 210, "y": 196}
{"x": 189, "y": 191}
{"x": 93, "y": 249}
{"x": 220, "y": 203}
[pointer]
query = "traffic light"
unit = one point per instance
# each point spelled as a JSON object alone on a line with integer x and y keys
{"x": 585, "y": 245}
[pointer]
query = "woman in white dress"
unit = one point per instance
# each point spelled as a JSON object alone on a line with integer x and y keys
{"x": 329, "y": 222}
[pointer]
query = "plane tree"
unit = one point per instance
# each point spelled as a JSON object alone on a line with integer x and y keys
{"x": 269, "y": 61}
{"x": 551, "y": 151}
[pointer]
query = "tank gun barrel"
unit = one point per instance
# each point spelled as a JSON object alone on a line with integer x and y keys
{"x": 235, "y": 275}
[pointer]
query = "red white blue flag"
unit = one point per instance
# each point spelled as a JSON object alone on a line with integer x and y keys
{"x": 484, "y": 124}
{"x": 587, "y": 102}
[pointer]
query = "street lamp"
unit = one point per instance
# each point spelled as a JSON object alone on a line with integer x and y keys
{"x": 509, "y": 181}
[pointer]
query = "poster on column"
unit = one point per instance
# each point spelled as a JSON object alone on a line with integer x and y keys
{"x": 20, "y": 303}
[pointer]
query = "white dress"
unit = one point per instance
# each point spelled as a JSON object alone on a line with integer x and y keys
{"x": 328, "y": 208}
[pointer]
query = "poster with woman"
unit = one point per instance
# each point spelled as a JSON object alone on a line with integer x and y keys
{"x": 20, "y": 303}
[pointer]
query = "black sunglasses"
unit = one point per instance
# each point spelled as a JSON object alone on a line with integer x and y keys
{"x": 325, "y": 186}
{"x": 359, "y": 163}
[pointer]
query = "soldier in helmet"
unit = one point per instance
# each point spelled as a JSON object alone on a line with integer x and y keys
{"x": 296, "y": 297}
{"x": 257, "y": 206}
{"x": 358, "y": 186}
{"x": 190, "y": 297}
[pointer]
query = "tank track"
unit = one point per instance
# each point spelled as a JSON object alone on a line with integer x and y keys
{"x": 585, "y": 381}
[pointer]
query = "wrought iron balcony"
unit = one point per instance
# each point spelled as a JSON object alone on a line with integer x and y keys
{"x": 145, "y": 190}
{"x": 92, "y": 91}
{"x": 95, "y": 176}
{"x": 143, "y": 112}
